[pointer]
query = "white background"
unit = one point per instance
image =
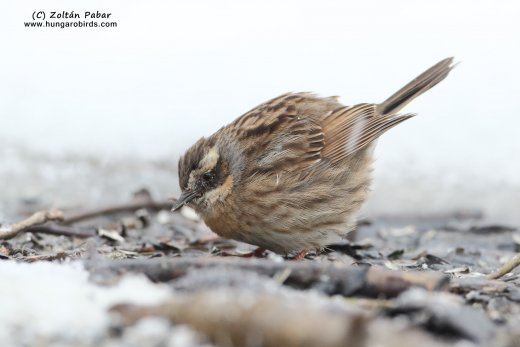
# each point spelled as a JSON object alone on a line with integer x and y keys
{"x": 174, "y": 71}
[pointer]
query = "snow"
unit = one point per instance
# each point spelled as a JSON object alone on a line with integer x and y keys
{"x": 58, "y": 301}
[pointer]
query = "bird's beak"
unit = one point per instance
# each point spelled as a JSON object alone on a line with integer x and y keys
{"x": 184, "y": 199}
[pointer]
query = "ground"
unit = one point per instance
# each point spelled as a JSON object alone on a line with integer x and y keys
{"x": 132, "y": 273}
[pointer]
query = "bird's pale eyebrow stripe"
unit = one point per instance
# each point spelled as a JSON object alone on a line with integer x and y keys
{"x": 207, "y": 163}
{"x": 210, "y": 160}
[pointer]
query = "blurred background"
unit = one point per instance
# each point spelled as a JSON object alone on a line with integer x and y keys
{"x": 80, "y": 108}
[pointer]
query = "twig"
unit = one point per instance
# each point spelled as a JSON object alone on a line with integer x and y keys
{"x": 269, "y": 319}
{"x": 61, "y": 230}
{"x": 132, "y": 207}
{"x": 10, "y": 231}
{"x": 506, "y": 268}
{"x": 371, "y": 303}
{"x": 46, "y": 257}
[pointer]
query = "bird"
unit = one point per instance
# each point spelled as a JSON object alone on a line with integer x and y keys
{"x": 291, "y": 174}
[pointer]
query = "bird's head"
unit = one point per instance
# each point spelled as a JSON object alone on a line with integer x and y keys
{"x": 204, "y": 176}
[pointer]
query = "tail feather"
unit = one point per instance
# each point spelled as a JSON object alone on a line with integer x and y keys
{"x": 419, "y": 85}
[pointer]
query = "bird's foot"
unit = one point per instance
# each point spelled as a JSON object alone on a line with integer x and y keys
{"x": 300, "y": 255}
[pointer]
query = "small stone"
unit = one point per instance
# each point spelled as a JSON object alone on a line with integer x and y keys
{"x": 189, "y": 213}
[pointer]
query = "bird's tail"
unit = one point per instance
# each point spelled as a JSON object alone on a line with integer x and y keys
{"x": 419, "y": 85}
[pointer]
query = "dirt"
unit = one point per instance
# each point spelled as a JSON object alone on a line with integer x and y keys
{"x": 467, "y": 309}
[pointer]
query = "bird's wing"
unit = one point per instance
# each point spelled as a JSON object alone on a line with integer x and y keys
{"x": 281, "y": 134}
{"x": 297, "y": 130}
{"x": 351, "y": 128}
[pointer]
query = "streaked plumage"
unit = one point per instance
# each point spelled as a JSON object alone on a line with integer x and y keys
{"x": 292, "y": 173}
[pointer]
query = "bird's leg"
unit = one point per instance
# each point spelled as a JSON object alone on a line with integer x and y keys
{"x": 300, "y": 255}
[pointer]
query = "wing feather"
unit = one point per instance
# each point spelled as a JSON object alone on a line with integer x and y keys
{"x": 280, "y": 135}
{"x": 297, "y": 130}
{"x": 351, "y": 128}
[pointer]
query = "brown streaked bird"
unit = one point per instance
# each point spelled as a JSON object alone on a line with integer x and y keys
{"x": 291, "y": 174}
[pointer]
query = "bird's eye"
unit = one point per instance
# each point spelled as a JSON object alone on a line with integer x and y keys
{"x": 208, "y": 176}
